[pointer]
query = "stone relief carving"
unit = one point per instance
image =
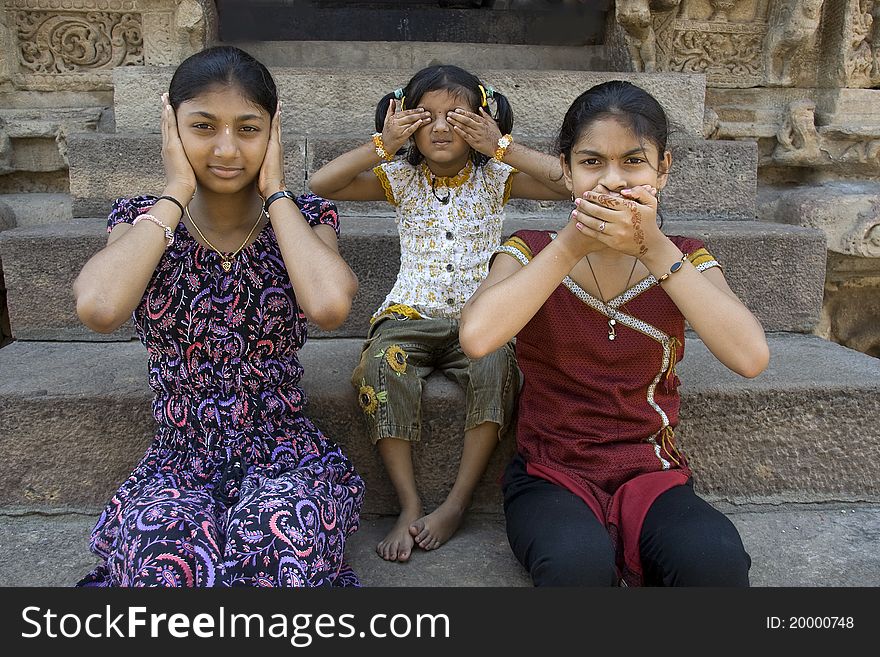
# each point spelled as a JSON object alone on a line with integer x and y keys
{"x": 795, "y": 28}
{"x": 637, "y": 21}
{"x": 197, "y": 20}
{"x": 664, "y": 35}
{"x": 798, "y": 139}
{"x": 158, "y": 47}
{"x": 728, "y": 53}
{"x": 864, "y": 238}
{"x": 860, "y": 59}
{"x": 62, "y": 42}
{"x": 5, "y": 149}
{"x": 77, "y": 47}
{"x": 875, "y": 45}
{"x": 801, "y": 143}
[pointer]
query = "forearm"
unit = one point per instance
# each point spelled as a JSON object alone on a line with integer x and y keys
{"x": 498, "y": 311}
{"x": 112, "y": 282}
{"x": 542, "y": 167}
{"x": 339, "y": 173}
{"x": 322, "y": 281}
{"x": 726, "y": 326}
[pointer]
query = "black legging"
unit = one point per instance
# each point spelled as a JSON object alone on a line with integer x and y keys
{"x": 559, "y": 540}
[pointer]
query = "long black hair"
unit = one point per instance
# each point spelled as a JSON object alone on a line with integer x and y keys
{"x": 223, "y": 66}
{"x": 457, "y": 81}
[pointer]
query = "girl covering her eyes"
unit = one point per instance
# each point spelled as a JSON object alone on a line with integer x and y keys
{"x": 448, "y": 165}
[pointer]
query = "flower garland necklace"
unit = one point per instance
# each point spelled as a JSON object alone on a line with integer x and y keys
{"x": 226, "y": 259}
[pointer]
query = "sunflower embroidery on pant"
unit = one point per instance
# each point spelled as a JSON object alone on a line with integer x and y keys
{"x": 395, "y": 357}
{"x": 369, "y": 399}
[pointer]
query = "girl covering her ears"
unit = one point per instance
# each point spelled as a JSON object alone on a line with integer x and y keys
{"x": 449, "y": 192}
{"x": 238, "y": 487}
{"x": 598, "y": 492}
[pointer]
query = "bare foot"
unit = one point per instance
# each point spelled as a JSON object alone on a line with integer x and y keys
{"x": 397, "y": 544}
{"x": 434, "y": 529}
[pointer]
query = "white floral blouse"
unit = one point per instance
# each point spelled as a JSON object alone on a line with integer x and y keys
{"x": 444, "y": 246}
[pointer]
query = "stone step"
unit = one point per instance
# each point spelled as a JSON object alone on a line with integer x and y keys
{"x": 75, "y": 418}
{"x": 416, "y": 55}
{"x": 325, "y": 100}
{"x": 710, "y": 179}
{"x": 825, "y": 545}
{"x": 778, "y": 271}
{"x": 36, "y": 209}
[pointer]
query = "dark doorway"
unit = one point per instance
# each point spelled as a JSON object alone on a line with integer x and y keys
{"x": 533, "y": 22}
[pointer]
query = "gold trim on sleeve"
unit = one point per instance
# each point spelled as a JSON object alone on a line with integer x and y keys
{"x": 386, "y": 184}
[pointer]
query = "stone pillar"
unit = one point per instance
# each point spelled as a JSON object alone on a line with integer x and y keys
{"x": 852, "y": 44}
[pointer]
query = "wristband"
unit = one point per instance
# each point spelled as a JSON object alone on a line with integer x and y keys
{"x": 503, "y": 144}
{"x": 674, "y": 268}
{"x": 277, "y": 195}
{"x": 173, "y": 200}
{"x": 380, "y": 147}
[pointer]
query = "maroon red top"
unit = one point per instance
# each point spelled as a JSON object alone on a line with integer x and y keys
{"x": 597, "y": 416}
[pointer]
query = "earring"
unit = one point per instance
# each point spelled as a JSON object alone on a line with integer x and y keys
{"x": 572, "y": 197}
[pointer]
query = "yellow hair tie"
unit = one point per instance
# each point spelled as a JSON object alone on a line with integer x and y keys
{"x": 402, "y": 103}
{"x": 483, "y": 92}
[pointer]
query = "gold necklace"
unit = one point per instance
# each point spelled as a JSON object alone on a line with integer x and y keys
{"x": 612, "y": 321}
{"x": 225, "y": 259}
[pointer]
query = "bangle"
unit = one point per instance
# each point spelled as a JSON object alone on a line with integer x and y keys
{"x": 380, "y": 147}
{"x": 169, "y": 234}
{"x": 173, "y": 200}
{"x": 503, "y": 143}
{"x": 277, "y": 195}
{"x": 674, "y": 268}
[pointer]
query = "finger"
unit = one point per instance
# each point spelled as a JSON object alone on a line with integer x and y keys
{"x": 464, "y": 117}
{"x": 644, "y": 194}
{"x": 413, "y": 118}
{"x": 592, "y": 221}
{"x": 591, "y": 209}
{"x": 460, "y": 111}
{"x": 389, "y": 113}
{"x": 411, "y": 129}
{"x": 610, "y": 201}
{"x": 163, "y": 121}
{"x": 587, "y": 231}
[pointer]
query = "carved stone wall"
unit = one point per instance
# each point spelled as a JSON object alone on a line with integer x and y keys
{"x": 802, "y": 78}
{"x": 56, "y": 72}
{"x": 57, "y": 45}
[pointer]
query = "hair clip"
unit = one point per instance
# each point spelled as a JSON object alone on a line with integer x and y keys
{"x": 490, "y": 91}
{"x": 398, "y": 93}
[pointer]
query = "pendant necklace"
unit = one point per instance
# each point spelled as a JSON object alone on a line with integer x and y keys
{"x": 443, "y": 199}
{"x": 226, "y": 259}
{"x": 447, "y": 181}
{"x": 612, "y": 321}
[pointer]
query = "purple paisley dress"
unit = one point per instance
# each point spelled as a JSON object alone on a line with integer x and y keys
{"x": 238, "y": 487}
